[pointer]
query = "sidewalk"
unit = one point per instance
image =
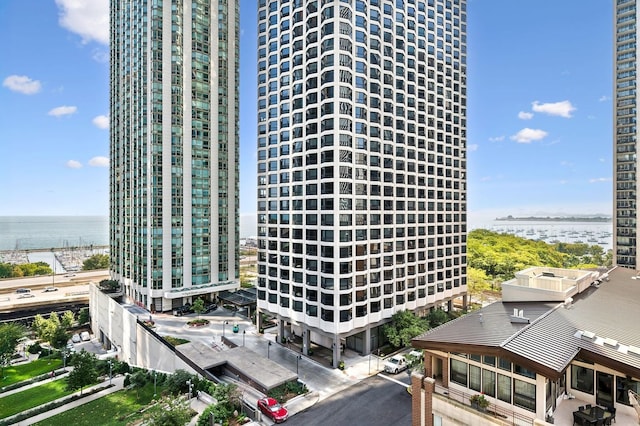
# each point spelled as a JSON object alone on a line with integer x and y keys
{"x": 116, "y": 381}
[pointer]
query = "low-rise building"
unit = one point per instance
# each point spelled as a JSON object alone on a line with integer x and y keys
{"x": 558, "y": 340}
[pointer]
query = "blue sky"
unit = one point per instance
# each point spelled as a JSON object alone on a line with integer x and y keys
{"x": 539, "y": 123}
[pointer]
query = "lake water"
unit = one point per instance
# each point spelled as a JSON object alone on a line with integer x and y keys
{"x": 43, "y": 232}
{"x": 592, "y": 233}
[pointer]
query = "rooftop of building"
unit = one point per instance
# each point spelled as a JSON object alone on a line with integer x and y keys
{"x": 600, "y": 323}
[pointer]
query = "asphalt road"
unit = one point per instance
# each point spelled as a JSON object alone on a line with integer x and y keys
{"x": 375, "y": 401}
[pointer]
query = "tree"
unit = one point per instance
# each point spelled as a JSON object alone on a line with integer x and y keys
{"x": 169, "y": 412}
{"x": 138, "y": 380}
{"x": 198, "y": 307}
{"x": 67, "y": 319}
{"x": 83, "y": 316}
{"x": 404, "y": 326}
{"x": 10, "y": 333}
{"x": 97, "y": 261}
{"x": 84, "y": 371}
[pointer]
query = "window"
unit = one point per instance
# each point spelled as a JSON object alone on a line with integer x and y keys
{"x": 488, "y": 382}
{"x": 459, "y": 372}
{"x": 582, "y": 379}
{"x": 474, "y": 377}
{"x": 504, "y": 388}
{"x": 524, "y": 395}
{"x": 623, "y": 385}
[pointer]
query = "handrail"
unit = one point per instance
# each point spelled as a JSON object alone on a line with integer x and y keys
{"x": 493, "y": 410}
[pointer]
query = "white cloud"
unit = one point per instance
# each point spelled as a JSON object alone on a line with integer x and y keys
{"x": 561, "y": 109}
{"x": 472, "y": 147}
{"x": 73, "y": 164}
{"x": 63, "y": 110}
{"x": 496, "y": 139}
{"x": 522, "y": 115}
{"x": 566, "y": 163}
{"x": 528, "y": 135}
{"x": 88, "y": 19}
{"x": 22, "y": 84}
{"x": 598, "y": 180}
{"x": 101, "y": 121}
{"x": 100, "y": 55}
{"x": 603, "y": 98}
{"x": 99, "y": 162}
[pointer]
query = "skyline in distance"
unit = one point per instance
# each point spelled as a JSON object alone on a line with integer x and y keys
{"x": 539, "y": 111}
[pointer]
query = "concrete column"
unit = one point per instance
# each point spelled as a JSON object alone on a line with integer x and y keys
{"x": 336, "y": 350}
{"x": 367, "y": 340}
{"x": 450, "y": 305}
{"x": 465, "y": 301}
{"x": 258, "y": 319}
{"x": 306, "y": 341}
{"x": 280, "y": 329}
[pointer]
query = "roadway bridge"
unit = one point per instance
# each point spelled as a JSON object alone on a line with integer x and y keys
{"x": 60, "y": 291}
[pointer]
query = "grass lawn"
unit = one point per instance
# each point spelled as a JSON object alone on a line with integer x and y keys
{"x": 29, "y": 398}
{"x": 17, "y": 373}
{"x": 115, "y": 409}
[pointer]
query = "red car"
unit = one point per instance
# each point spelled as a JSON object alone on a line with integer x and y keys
{"x": 272, "y": 409}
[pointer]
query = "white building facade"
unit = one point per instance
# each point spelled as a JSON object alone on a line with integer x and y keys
{"x": 174, "y": 227}
{"x": 361, "y": 164}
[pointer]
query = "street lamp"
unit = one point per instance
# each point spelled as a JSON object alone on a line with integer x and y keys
{"x": 244, "y": 332}
{"x": 110, "y": 366}
{"x": 268, "y": 347}
{"x": 155, "y": 375}
{"x": 223, "y": 324}
{"x": 54, "y": 267}
{"x": 189, "y": 384}
{"x": 298, "y": 358}
{"x": 64, "y": 360}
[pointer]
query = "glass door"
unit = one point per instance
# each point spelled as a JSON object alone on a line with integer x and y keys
{"x": 604, "y": 389}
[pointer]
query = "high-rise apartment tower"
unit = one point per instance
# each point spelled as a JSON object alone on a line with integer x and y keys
{"x": 361, "y": 164}
{"x": 625, "y": 163}
{"x": 174, "y": 225}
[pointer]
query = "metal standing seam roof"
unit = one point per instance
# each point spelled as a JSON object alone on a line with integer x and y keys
{"x": 610, "y": 311}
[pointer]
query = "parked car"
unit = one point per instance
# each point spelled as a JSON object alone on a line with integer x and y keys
{"x": 416, "y": 354}
{"x": 25, "y": 296}
{"x": 85, "y": 336}
{"x": 272, "y": 409}
{"x": 49, "y": 289}
{"x": 184, "y": 310}
{"x": 76, "y": 338}
{"x": 23, "y": 290}
{"x": 396, "y": 364}
{"x": 70, "y": 275}
{"x": 210, "y": 308}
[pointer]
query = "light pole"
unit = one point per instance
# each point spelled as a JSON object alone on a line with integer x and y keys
{"x": 110, "y": 366}
{"x": 268, "y": 347}
{"x": 189, "y": 384}
{"x": 298, "y": 358}
{"x": 64, "y": 360}
{"x": 244, "y": 332}
{"x": 53, "y": 254}
{"x": 223, "y": 326}
{"x": 155, "y": 375}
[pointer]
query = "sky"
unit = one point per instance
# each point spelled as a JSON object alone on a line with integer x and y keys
{"x": 539, "y": 116}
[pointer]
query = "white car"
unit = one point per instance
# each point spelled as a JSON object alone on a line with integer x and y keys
{"x": 416, "y": 354}
{"x": 76, "y": 338}
{"x": 396, "y": 364}
{"x": 85, "y": 336}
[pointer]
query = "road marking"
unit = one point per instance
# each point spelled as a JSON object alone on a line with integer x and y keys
{"x": 391, "y": 379}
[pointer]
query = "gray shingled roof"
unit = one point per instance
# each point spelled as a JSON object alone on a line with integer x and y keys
{"x": 549, "y": 341}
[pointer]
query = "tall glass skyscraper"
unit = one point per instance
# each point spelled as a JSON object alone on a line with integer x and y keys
{"x": 625, "y": 220}
{"x": 361, "y": 164}
{"x": 174, "y": 227}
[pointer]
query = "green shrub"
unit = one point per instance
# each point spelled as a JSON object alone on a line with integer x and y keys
{"x": 35, "y": 348}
